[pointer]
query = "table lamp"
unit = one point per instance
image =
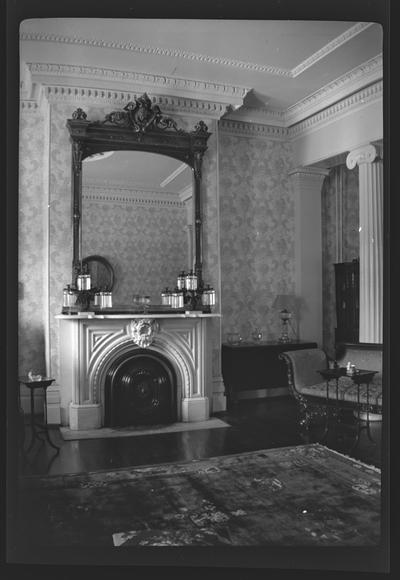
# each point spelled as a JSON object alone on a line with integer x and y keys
{"x": 285, "y": 303}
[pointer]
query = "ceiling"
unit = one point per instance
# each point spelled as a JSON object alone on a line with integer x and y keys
{"x": 140, "y": 171}
{"x": 274, "y": 65}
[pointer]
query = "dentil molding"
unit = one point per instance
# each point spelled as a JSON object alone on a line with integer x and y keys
{"x": 235, "y": 119}
{"x": 50, "y": 73}
{"x": 113, "y": 193}
{"x": 245, "y": 129}
{"x": 353, "y": 81}
{"x": 345, "y": 106}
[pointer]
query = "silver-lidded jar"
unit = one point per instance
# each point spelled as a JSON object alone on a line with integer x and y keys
{"x": 105, "y": 299}
{"x": 97, "y": 299}
{"x": 181, "y": 281}
{"x": 166, "y": 297}
{"x": 208, "y": 297}
{"x": 69, "y": 297}
{"x": 191, "y": 281}
{"x": 108, "y": 299}
{"x": 83, "y": 282}
{"x": 177, "y": 299}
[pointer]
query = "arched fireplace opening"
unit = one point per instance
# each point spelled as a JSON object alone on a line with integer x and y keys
{"x": 140, "y": 389}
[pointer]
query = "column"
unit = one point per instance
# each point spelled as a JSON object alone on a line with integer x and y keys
{"x": 371, "y": 241}
{"x": 307, "y": 184}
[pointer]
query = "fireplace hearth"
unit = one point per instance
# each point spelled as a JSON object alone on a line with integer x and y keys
{"x": 140, "y": 389}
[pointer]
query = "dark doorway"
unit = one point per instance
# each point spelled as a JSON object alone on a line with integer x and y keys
{"x": 140, "y": 389}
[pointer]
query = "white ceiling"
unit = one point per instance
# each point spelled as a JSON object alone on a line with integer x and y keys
{"x": 139, "y": 171}
{"x": 281, "y": 62}
{"x": 274, "y": 65}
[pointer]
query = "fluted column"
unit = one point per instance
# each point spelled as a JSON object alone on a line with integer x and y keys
{"x": 371, "y": 241}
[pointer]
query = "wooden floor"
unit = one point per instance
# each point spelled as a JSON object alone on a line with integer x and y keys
{"x": 254, "y": 424}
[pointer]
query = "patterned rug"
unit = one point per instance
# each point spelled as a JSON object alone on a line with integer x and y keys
{"x": 306, "y": 495}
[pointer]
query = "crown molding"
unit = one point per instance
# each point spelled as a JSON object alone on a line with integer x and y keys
{"x": 194, "y": 56}
{"x": 117, "y": 193}
{"x": 123, "y": 80}
{"x": 95, "y": 96}
{"x": 330, "y": 47}
{"x": 348, "y": 105}
{"x": 257, "y": 115}
{"x": 245, "y": 129}
{"x": 366, "y": 74}
{"x": 154, "y": 50}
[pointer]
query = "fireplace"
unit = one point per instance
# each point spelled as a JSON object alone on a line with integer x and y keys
{"x": 124, "y": 369}
{"x": 140, "y": 389}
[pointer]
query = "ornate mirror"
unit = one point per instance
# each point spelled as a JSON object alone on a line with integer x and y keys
{"x": 139, "y": 127}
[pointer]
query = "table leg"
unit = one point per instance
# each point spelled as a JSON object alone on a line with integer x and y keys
{"x": 368, "y": 425}
{"x": 45, "y": 426}
{"x": 32, "y": 421}
{"x": 359, "y": 428}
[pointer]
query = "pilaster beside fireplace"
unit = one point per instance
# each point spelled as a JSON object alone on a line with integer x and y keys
{"x": 93, "y": 347}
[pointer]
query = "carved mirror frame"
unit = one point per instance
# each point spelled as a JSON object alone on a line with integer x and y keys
{"x": 139, "y": 126}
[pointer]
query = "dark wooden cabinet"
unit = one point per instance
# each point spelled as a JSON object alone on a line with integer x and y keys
{"x": 251, "y": 366}
{"x": 347, "y": 286}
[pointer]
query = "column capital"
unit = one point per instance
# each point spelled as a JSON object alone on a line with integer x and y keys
{"x": 365, "y": 154}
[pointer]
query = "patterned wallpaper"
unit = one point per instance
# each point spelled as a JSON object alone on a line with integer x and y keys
{"x": 146, "y": 245}
{"x": 340, "y": 240}
{"x": 32, "y": 225}
{"x": 256, "y": 234}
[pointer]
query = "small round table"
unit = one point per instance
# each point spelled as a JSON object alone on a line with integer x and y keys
{"x": 33, "y": 384}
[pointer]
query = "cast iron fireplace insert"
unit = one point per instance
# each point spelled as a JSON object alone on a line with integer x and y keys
{"x": 140, "y": 389}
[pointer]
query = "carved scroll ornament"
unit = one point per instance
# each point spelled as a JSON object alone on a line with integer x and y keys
{"x": 143, "y": 331}
{"x": 141, "y": 115}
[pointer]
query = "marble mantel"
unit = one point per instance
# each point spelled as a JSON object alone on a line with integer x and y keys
{"x": 90, "y": 343}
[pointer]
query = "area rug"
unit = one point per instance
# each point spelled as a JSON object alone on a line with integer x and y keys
{"x": 306, "y": 495}
{"x": 106, "y": 432}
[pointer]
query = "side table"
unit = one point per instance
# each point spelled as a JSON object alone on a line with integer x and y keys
{"x": 41, "y": 383}
{"x": 360, "y": 377}
{"x": 254, "y": 365}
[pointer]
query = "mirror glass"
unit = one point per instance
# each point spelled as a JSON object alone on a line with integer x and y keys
{"x": 137, "y": 212}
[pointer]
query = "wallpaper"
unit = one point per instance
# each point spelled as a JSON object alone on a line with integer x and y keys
{"x": 32, "y": 258}
{"x": 60, "y": 240}
{"x": 340, "y": 239}
{"x": 256, "y": 233}
{"x": 146, "y": 246}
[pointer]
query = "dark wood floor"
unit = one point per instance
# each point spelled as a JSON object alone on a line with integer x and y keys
{"x": 254, "y": 424}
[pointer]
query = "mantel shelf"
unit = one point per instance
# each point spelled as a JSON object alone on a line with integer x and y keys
{"x": 92, "y": 315}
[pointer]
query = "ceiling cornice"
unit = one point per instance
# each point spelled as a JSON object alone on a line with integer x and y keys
{"x": 99, "y": 96}
{"x": 359, "y": 77}
{"x": 356, "y": 101}
{"x": 207, "y": 59}
{"x": 50, "y": 73}
{"x": 245, "y": 129}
